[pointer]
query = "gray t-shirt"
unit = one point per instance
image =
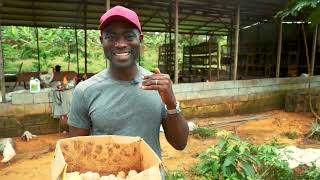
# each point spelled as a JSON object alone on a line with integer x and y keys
{"x": 112, "y": 107}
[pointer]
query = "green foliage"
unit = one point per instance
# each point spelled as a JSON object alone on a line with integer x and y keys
{"x": 314, "y": 132}
{"x": 175, "y": 175}
{"x": 292, "y": 134}
{"x": 310, "y": 7}
{"x": 203, "y": 132}
{"x": 233, "y": 158}
{"x": 311, "y": 173}
{"x": 271, "y": 166}
{"x": 229, "y": 159}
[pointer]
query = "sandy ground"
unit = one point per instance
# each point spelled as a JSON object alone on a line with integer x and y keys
{"x": 34, "y": 158}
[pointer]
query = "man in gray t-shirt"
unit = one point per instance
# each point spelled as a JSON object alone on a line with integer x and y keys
{"x": 126, "y": 99}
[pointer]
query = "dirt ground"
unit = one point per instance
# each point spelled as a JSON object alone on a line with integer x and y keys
{"x": 34, "y": 158}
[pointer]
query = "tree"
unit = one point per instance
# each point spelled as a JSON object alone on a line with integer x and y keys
{"x": 309, "y": 8}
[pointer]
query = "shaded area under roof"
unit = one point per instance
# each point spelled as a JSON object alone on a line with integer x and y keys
{"x": 195, "y": 16}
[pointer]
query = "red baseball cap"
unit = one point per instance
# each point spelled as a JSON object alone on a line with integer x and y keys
{"x": 119, "y": 13}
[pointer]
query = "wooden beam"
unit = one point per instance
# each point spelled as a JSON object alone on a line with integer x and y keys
{"x": 107, "y": 8}
{"x": 315, "y": 37}
{"x": 236, "y": 50}
{"x": 107, "y": 5}
{"x": 85, "y": 37}
{"x": 210, "y": 59}
{"x": 2, "y": 78}
{"x": 38, "y": 49}
{"x": 279, "y": 49}
{"x": 176, "y": 64}
{"x": 77, "y": 49}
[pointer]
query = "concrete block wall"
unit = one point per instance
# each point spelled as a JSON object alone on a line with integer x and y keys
{"x": 31, "y": 98}
{"x": 234, "y": 97}
{"x": 17, "y": 118}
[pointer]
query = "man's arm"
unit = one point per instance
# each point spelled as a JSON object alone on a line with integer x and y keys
{"x": 78, "y": 118}
{"x": 175, "y": 126}
{"x": 74, "y": 131}
{"x": 176, "y": 130}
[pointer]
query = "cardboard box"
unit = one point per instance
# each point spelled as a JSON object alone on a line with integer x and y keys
{"x": 106, "y": 155}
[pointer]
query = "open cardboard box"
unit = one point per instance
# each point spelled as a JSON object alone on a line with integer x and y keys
{"x": 106, "y": 155}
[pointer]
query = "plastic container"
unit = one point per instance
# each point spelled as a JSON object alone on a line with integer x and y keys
{"x": 34, "y": 85}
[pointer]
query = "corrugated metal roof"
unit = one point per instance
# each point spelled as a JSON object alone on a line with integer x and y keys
{"x": 195, "y": 16}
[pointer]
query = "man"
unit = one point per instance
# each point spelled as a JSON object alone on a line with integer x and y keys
{"x": 126, "y": 99}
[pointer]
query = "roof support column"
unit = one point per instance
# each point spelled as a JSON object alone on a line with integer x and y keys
{"x": 77, "y": 49}
{"x": 279, "y": 49}
{"x": 38, "y": 49}
{"x": 2, "y": 80}
{"x": 236, "y": 50}
{"x": 210, "y": 59}
{"x": 107, "y": 5}
{"x": 314, "y": 46}
{"x": 107, "y": 8}
{"x": 85, "y": 38}
{"x": 176, "y": 64}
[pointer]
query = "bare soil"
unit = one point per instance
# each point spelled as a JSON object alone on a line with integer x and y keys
{"x": 33, "y": 158}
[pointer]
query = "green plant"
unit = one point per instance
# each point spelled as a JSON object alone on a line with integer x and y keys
{"x": 271, "y": 167}
{"x": 203, "y": 132}
{"x": 231, "y": 158}
{"x": 314, "y": 132}
{"x": 311, "y": 173}
{"x": 291, "y": 134}
{"x": 175, "y": 175}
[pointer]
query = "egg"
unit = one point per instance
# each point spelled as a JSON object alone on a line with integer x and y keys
{"x": 132, "y": 173}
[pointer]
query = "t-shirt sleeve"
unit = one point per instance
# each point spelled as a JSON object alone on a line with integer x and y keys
{"x": 79, "y": 112}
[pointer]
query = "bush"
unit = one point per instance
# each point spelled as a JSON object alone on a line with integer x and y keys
{"x": 272, "y": 167}
{"x": 229, "y": 159}
{"x": 233, "y": 158}
{"x": 203, "y": 132}
{"x": 175, "y": 175}
{"x": 314, "y": 132}
{"x": 310, "y": 173}
{"x": 291, "y": 134}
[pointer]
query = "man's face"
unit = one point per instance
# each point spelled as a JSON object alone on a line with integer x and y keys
{"x": 121, "y": 44}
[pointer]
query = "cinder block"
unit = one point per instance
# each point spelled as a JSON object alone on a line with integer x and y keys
{"x": 42, "y": 97}
{"x": 4, "y": 109}
{"x": 34, "y": 109}
{"x": 15, "y": 110}
{"x": 22, "y": 98}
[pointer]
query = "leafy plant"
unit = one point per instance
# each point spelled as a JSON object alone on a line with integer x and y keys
{"x": 291, "y": 134}
{"x": 203, "y": 132}
{"x": 231, "y": 158}
{"x": 310, "y": 7}
{"x": 310, "y": 173}
{"x": 271, "y": 166}
{"x": 314, "y": 132}
{"x": 175, "y": 175}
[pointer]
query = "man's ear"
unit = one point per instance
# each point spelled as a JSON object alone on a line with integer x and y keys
{"x": 141, "y": 37}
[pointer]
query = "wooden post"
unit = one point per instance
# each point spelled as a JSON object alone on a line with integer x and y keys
{"x": 38, "y": 49}
{"x": 210, "y": 59}
{"x": 236, "y": 50}
{"x": 315, "y": 36}
{"x": 279, "y": 49}
{"x": 77, "y": 49}
{"x": 176, "y": 64}
{"x": 219, "y": 60}
{"x": 107, "y": 8}
{"x": 107, "y": 5}
{"x": 85, "y": 39}
{"x": 2, "y": 79}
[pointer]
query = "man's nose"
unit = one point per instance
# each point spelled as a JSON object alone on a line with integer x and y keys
{"x": 121, "y": 42}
